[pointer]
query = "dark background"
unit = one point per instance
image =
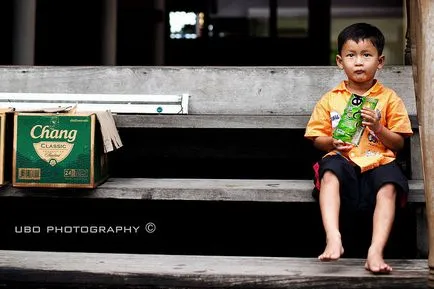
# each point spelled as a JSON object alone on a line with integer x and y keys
{"x": 69, "y": 33}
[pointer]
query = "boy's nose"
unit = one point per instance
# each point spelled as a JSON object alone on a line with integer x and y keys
{"x": 359, "y": 60}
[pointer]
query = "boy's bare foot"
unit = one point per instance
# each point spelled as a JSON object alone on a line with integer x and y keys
{"x": 375, "y": 263}
{"x": 333, "y": 250}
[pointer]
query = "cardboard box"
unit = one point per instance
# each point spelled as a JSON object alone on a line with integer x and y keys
{"x": 6, "y": 135}
{"x": 59, "y": 150}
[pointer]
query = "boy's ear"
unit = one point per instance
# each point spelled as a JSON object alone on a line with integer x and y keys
{"x": 381, "y": 61}
{"x": 339, "y": 61}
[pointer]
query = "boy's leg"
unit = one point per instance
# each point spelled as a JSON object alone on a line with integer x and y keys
{"x": 329, "y": 201}
{"x": 339, "y": 188}
{"x": 384, "y": 185}
{"x": 383, "y": 218}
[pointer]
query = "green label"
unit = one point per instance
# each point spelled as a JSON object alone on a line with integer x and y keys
{"x": 53, "y": 149}
{"x": 349, "y": 128}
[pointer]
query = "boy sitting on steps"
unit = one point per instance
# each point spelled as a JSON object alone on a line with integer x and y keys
{"x": 363, "y": 176}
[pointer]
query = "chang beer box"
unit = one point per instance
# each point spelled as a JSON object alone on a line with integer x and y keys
{"x": 60, "y": 150}
{"x": 6, "y": 136}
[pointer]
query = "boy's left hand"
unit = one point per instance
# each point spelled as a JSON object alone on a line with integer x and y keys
{"x": 371, "y": 119}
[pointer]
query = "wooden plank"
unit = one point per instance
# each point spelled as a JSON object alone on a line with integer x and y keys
{"x": 212, "y": 121}
{"x": 197, "y": 190}
{"x": 219, "y": 121}
{"x": 416, "y": 157}
{"x": 213, "y": 90}
{"x": 414, "y": 25}
{"x": 177, "y": 271}
{"x": 425, "y": 79}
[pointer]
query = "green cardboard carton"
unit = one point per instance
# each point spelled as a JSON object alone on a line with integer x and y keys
{"x": 58, "y": 150}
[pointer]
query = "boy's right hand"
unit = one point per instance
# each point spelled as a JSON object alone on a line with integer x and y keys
{"x": 341, "y": 145}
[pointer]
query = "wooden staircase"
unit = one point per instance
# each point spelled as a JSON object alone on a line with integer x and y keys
{"x": 226, "y": 189}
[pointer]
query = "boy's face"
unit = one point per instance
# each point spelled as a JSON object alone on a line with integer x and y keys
{"x": 360, "y": 61}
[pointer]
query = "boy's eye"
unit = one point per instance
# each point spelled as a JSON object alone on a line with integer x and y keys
{"x": 366, "y": 55}
{"x": 350, "y": 55}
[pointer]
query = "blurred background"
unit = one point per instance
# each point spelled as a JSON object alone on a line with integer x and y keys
{"x": 189, "y": 32}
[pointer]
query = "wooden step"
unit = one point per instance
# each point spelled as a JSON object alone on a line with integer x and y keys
{"x": 197, "y": 190}
{"x": 89, "y": 270}
{"x": 226, "y": 121}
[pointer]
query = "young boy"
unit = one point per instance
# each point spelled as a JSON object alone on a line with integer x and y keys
{"x": 366, "y": 175}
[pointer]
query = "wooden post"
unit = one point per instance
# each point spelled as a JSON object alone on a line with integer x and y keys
{"x": 109, "y": 32}
{"x": 319, "y": 31}
{"x": 408, "y": 33}
{"x": 272, "y": 23}
{"x": 413, "y": 34}
{"x": 160, "y": 33}
{"x": 422, "y": 19}
{"x": 24, "y": 32}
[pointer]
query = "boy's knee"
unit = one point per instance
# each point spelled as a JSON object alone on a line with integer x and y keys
{"x": 329, "y": 178}
{"x": 387, "y": 191}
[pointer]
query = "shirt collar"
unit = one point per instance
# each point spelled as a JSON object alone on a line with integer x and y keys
{"x": 375, "y": 89}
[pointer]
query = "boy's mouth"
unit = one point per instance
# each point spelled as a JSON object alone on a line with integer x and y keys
{"x": 359, "y": 72}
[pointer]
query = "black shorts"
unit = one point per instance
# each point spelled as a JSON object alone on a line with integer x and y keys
{"x": 359, "y": 190}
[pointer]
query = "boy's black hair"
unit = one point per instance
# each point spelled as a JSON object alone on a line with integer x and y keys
{"x": 362, "y": 31}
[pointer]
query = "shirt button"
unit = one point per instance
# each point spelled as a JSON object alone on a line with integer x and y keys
{"x": 352, "y": 154}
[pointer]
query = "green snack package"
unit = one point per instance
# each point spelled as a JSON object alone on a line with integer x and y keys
{"x": 349, "y": 128}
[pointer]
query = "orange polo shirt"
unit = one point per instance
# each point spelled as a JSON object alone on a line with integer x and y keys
{"x": 370, "y": 152}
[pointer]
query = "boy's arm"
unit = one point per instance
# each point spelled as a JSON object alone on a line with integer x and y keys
{"x": 323, "y": 143}
{"x": 390, "y": 139}
{"x": 319, "y": 128}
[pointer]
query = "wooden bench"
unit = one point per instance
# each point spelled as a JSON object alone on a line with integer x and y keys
{"x": 228, "y": 100}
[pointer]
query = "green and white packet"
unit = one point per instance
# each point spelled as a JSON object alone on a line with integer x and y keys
{"x": 350, "y": 128}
